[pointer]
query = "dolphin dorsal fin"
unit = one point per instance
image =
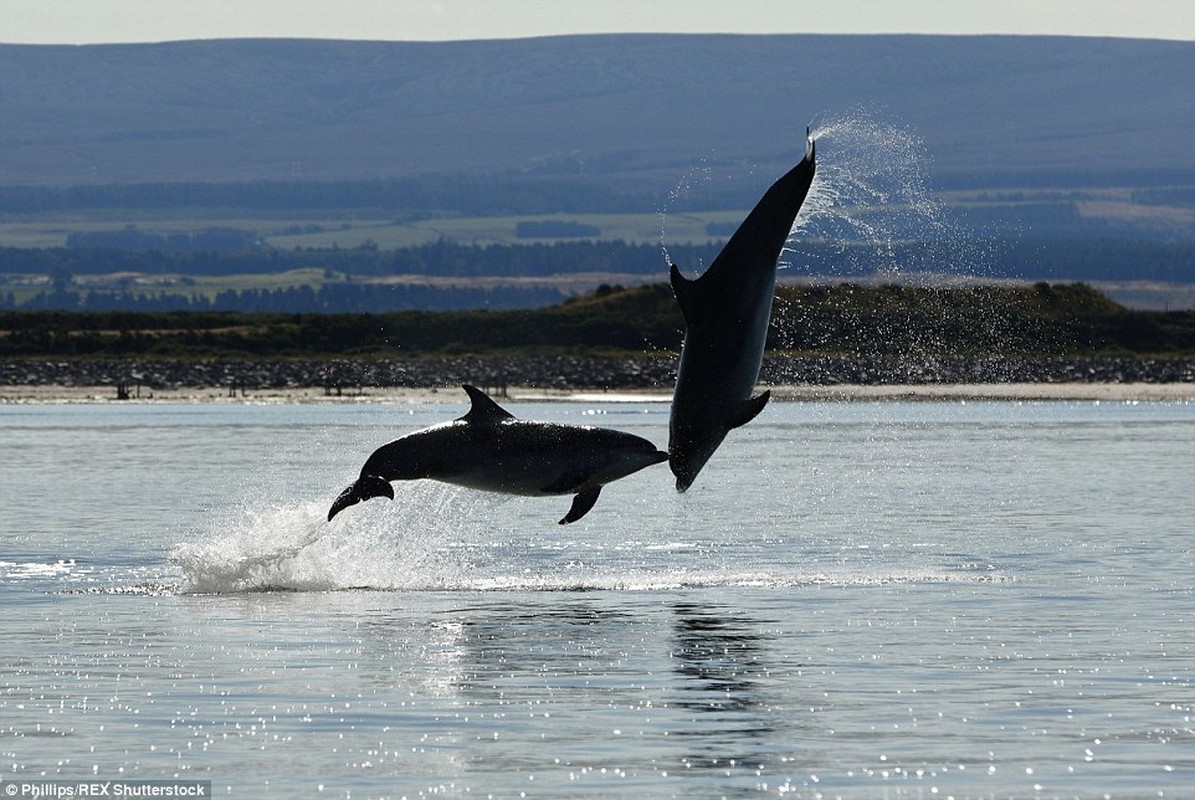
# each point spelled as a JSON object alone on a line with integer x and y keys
{"x": 684, "y": 289}
{"x": 483, "y": 409}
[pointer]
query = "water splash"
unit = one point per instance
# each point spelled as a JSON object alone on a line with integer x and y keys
{"x": 405, "y": 544}
{"x": 690, "y": 183}
{"x": 871, "y": 212}
{"x": 438, "y": 538}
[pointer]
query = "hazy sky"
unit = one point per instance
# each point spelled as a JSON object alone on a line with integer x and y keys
{"x": 89, "y": 21}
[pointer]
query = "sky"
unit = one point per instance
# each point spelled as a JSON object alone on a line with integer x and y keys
{"x": 98, "y": 21}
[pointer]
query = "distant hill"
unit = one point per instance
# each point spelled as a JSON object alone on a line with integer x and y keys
{"x": 917, "y": 324}
{"x": 992, "y": 110}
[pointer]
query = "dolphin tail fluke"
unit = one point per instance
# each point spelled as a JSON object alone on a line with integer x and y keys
{"x": 749, "y": 409}
{"x": 363, "y": 488}
{"x": 581, "y": 505}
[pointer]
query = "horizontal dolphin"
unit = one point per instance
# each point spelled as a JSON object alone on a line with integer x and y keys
{"x": 489, "y": 449}
{"x": 726, "y": 313}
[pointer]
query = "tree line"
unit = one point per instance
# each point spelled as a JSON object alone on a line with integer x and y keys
{"x": 1050, "y": 319}
{"x": 1053, "y": 259}
{"x": 217, "y": 239}
{"x": 329, "y": 298}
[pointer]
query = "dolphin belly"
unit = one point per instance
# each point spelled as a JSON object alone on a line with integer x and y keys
{"x": 548, "y": 460}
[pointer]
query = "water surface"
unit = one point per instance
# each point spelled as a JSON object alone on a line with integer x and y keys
{"x": 855, "y": 600}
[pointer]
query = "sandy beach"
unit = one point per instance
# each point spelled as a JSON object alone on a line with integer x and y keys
{"x": 1090, "y": 392}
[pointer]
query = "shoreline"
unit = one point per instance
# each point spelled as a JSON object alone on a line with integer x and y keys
{"x": 590, "y": 378}
{"x": 1183, "y": 392}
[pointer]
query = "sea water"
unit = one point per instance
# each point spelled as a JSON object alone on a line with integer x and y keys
{"x": 903, "y": 600}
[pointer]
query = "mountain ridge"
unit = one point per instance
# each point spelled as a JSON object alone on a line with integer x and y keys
{"x": 988, "y": 108}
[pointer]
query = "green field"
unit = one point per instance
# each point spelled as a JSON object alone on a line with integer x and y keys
{"x": 1013, "y": 209}
{"x": 370, "y": 229}
{"x": 23, "y": 287}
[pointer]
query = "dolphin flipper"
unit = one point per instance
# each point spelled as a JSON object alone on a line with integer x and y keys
{"x": 749, "y": 409}
{"x": 581, "y": 504}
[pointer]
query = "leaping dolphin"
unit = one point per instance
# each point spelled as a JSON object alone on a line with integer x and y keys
{"x": 726, "y": 313}
{"x": 489, "y": 449}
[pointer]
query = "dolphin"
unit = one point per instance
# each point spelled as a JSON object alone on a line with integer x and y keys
{"x": 489, "y": 449}
{"x": 726, "y": 313}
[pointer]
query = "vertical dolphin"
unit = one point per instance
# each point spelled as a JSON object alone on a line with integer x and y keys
{"x": 726, "y": 313}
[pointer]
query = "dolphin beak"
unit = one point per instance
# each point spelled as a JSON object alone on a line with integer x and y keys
{"x": 683, "y": 468}
{"x": 363, "y": 488}
{"x": 683, "y": 472}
